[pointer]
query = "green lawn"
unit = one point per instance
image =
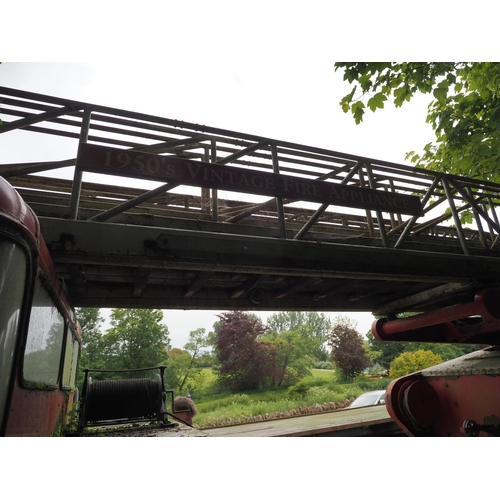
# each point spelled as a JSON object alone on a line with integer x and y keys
{"x": 327, "y": 375}
{"x": 321, "y": 388}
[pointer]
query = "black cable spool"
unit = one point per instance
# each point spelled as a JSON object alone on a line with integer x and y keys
{"x": 123, "y": 399}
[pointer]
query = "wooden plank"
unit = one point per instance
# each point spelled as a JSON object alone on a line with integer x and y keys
{"x": 350, "y": 419}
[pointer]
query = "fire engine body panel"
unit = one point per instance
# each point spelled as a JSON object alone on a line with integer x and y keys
{"x": 456, "y": 398}
{"x": 460, "y": 397}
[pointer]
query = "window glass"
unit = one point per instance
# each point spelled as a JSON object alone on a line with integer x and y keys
{"x": 13, "y": 270}
{"x": 365, "y": 400}
{"x": 45, "y": 339}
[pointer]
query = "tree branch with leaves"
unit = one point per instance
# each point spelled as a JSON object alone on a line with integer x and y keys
{"x": 464, "y": 110}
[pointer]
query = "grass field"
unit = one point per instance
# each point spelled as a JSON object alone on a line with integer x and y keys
{"x": 322, "y": 387}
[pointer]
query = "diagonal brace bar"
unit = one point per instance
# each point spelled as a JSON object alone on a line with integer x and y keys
{"x": 243, "y": 152}
{"x": 305, "y": 228}
{"x": 165, "y": 146}
{"x": 458, "y": 223}
{"x": 134, "y": 202}
{"x": 475, "y": 206}
{"x": 380, "y": 218}
{"x": 30, "y": 120}
{"x": 412, "y": 221}
{"x": 11, "y": 170}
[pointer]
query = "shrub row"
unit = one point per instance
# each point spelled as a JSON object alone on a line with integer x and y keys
{"x": 295, "y": 412}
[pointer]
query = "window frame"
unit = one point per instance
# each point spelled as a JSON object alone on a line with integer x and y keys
{"x": 21, "y": 327}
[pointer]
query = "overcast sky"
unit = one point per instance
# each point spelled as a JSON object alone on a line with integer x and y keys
{"x": 281, "y": 98}
{"x": 257, "y": 68}
{"x": 291, "y": 96}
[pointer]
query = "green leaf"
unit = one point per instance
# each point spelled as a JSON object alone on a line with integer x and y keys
{"x": 440, "y": 94}
{"x": 485, "y": 94}
{"x": 445, "y": 84}
{"x": 483, "y": 150}
{"x": 358, "y": 115}
{"x": 365, "y": 82}
{"x": 401, "y": 94}
{"x": 451, "y": 78}
{"x": 358, "y": 111}
{"x": 466, "y": 217}
{"x": 412, "y": 157}
{"x": 377, "y": 101}
{"x": 351, "y": 95}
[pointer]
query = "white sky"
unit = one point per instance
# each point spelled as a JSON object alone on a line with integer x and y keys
{"x": 287, "y": 97}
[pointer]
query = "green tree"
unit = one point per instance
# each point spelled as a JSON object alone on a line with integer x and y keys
{"x": 91, "y": 322}
{"x": 296, "y": 354}
{"x": 312, "y": 324}
{"x": 391, "y": 350}
{"x": 196, "y": 345}
{"x": 388, "y": 350}
{"x": 348, "y": 352}
{"x": 413, "y": 361}
{"x": 445, "y": 351}
{"x": 136, "y": 339}
{"x": 177, "y": 368}
{"x": 464, "y": 111}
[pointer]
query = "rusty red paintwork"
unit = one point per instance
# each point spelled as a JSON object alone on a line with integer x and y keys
{"x": 438, "y": 400}
{"x": 475, "y": 322}
{"x": 35, "y": 412}
{"x": 22, "y": 216}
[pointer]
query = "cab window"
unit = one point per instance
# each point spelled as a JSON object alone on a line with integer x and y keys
{"x": 42, "y": 356}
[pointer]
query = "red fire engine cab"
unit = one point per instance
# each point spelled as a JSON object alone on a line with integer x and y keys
{"x": 40, "y": 341}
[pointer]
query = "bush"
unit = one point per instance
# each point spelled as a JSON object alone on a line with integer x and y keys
{"x": 299, "y": 390}
{"x": 413, "y": 361}
{"x": 374, "y": 385}
{"x": 335, "y": 388}
{"x": 227, "y": 407}
{"x": 315, "y": 382}
{"x": 320, "y": 395}
{"x": 323, "y": 365}
{"x": 340, "y": 378}
{"x": 242, "y": 399}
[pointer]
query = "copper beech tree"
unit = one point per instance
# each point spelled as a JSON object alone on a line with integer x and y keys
{"x": 348, "y": 353}
{"x": 246, "y": 362}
